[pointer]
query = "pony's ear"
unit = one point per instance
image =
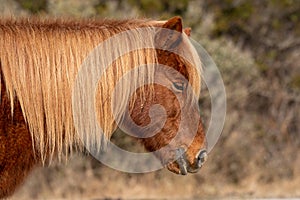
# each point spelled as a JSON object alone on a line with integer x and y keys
{"x": 175, "y": 23}
{"x": 187, "y": 31}
{"x": 170, "y": 34}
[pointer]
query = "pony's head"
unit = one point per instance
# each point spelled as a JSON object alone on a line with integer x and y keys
{"x": 62, "y": 70}
{"x": 175, "y": 134}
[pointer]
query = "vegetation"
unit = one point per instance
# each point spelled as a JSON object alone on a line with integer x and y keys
{"x": 34, "y": 6}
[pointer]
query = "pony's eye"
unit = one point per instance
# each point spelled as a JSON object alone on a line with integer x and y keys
{"x": 178, "y": 86}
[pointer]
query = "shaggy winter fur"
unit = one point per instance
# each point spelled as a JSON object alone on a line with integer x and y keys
{"x": 40, "y": 60}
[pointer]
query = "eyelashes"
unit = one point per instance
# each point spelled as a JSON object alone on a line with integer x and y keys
{"x": 178, "y": 86}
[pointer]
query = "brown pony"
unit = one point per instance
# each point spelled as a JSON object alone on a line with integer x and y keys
{"x": 39, "y": 62}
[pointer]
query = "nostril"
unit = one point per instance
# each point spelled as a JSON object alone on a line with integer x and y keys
{"x": 202, "y": 157}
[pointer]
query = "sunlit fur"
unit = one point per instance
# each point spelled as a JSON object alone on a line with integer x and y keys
{"x": 39, "y": 63}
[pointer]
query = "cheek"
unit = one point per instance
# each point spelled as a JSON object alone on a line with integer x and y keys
{"x": 163, "y": 97}
{"x": 140, "y": 115}
{"x": 168, "y": 100}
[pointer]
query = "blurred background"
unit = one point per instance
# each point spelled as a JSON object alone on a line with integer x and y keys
{"x": 256, "y": 45}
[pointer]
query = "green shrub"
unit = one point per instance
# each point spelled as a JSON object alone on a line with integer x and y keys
{"x": 34, "y": 6}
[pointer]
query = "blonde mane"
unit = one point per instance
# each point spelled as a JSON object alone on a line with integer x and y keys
{"x": 40, "y": 60}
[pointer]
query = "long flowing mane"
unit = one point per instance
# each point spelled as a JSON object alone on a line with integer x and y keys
{"x": 40, "y": 60}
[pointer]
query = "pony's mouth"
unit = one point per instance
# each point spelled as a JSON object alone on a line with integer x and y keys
{"x": 183, "y": 166}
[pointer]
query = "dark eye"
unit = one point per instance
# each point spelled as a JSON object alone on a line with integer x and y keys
{"x": 178, "y": 86}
